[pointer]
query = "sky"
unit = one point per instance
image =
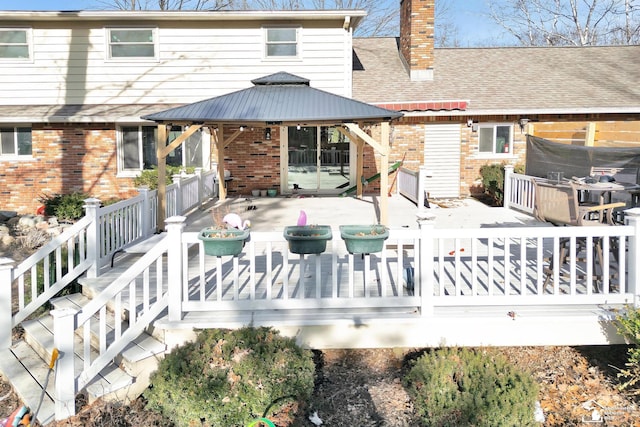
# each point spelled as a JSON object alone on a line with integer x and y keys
{"x": 474, "y": 26}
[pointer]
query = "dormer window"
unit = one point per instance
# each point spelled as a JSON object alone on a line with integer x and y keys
{"x": 132, "y": 43}
{"x": 282, "y": 43}
{"x": 14, "y": 43}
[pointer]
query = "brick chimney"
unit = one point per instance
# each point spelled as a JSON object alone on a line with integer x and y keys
{"x": 416, "y": 37}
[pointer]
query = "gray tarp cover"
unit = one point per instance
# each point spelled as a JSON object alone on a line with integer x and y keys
{"x": 545, "y": 156}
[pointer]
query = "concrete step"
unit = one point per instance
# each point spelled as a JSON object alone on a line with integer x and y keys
{"x": 107, "y": 385}
{"x": 127, "y": 377}
{"x": 28, "y": 373}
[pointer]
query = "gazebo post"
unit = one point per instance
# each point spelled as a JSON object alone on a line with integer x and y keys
{"x": 162, "y": 184}
{"x": 222, "y": 189}
{"x": 384, "y": 174}
{"x": 359, "y": 166}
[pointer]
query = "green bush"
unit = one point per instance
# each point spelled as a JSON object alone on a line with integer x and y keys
{"x": 467, "y": 387}
{"x": 65, "y": 207}
{"x": 493, "y": 180}
{"x": 228, "y": 378}
{"x": 149, "y": 178}
{"x": 628, "y": 325}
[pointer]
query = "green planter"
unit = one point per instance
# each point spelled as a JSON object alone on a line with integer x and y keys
{"x": 364, "y": 239}
{"x": 308, "y": 239}
{"x": 222, "y": 242}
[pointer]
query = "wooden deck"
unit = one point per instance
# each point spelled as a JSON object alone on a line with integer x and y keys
{"x": 489, "y": 282}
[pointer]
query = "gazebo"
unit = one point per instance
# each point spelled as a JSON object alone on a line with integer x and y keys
{"x": 280, "y": 99}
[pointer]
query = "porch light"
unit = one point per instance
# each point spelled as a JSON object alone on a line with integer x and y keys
{"x": 267, "y": 133}
{"x": 469, "y": 123}
{"x": 523, "y": 122}
{"x": 241, "y": 128}
{"x": 298, "y": 127}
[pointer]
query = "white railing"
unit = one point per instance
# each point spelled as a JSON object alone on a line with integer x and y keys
{"x": 411, "y": 184}
{"x": 87, "y": 246}
{"x": 41, "y": 276}
{"x": 269, "y": 277}
{"x": 499, "y": 266}
{"x": 519, "y": 191}
{"x": 484, "y": 266}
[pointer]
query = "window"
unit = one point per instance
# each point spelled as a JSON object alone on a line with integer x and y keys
{"x": 131, "y": 43}
{"x": 14, "y": 43}
{"x": 495, "y": 139}
{"x": 281, "y": 42}
{"x": 138, "y": 149}
{"x": 15, "y": 141}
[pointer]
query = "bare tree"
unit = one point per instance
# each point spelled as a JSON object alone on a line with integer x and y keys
{"x": 626, "y": 28}
{"x": 382, "y": 15}
{"x": 568, "y": 22}
{"x": 168, "y": 4}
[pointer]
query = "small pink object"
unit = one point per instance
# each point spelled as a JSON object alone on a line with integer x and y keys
{"x": 234, "y": 220}
{"x": 302, "y": 219}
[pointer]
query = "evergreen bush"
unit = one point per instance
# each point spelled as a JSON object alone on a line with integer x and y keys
{"x": 493, "y": 180}
{"x": 149, "y": 177}
{"x": 65, "y": 207}
{"x": 228, "y": 378}
{"x": 469, "y": 387}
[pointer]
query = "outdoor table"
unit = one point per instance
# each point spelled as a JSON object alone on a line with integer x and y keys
{"x": 605, "y": 189}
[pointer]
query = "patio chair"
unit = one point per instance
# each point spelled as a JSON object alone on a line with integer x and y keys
{"x": 559, "y": 205}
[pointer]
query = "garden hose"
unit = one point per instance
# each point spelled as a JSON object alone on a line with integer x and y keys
{"x": 262, "y": 420}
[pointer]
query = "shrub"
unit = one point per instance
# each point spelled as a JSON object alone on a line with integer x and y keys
{"x": 149, "y": 178}
{"x": 493, "y": 180}
{"x": 628, "y": 325}
{"x": 228, "y": 378}
{"x": 66, "y": 207}
{"x": 455, "y": 387}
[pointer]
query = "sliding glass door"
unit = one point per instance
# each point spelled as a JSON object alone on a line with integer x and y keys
{"x": 318, "y": 160}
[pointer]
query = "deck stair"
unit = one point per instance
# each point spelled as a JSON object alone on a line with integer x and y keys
{"x": 26, "y": 362}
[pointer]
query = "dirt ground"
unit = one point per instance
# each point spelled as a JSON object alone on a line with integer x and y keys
{"x": 363, "y": 388}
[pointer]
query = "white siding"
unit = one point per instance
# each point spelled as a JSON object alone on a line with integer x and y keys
{"x": 442, "y": 160}
{"x": 194, "y": 63}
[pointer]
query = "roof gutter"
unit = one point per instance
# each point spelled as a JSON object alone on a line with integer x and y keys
{"x": 525, "y": 111}
{"x": 352, "y": 16}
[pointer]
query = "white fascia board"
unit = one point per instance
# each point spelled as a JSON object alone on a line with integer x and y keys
{"x": 354, "y": 15}
{"x": 526, "y": 111}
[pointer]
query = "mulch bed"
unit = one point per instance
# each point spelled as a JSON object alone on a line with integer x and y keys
{"x": 363, "y": 388}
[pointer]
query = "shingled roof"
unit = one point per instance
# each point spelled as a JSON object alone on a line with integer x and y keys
{"x": 277, "y": 98}
{"x": 511, "y": 80}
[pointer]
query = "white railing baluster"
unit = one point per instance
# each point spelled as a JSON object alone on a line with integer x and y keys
{"x": 334, "y": 271}
{"x": 383, "y": 276}
{"x": 589, "y": 264}
{"x": 202, "y": 282}
{"x": 506, "y": 259}
{"x": 318, "y": 278}
{"x": 490, "y": 266}
{"x": 573, "y": 253}
{"x": 219, "y": 277}
{"x": 351, "y": 273}
{"x": 236, "y": 279}
{"x": 474, "y": 266}
{"x": 269, "y": 270}
{"x": 366, "y": 273}
{"x": 622, "y": 259}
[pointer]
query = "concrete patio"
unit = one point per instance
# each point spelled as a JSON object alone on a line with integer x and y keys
{"x": 275, "y": 213}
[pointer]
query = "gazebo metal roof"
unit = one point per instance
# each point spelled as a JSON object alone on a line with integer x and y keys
{"x": 277, "y": 98}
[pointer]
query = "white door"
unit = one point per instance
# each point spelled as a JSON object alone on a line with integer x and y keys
{"x": 442, "y": 160}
